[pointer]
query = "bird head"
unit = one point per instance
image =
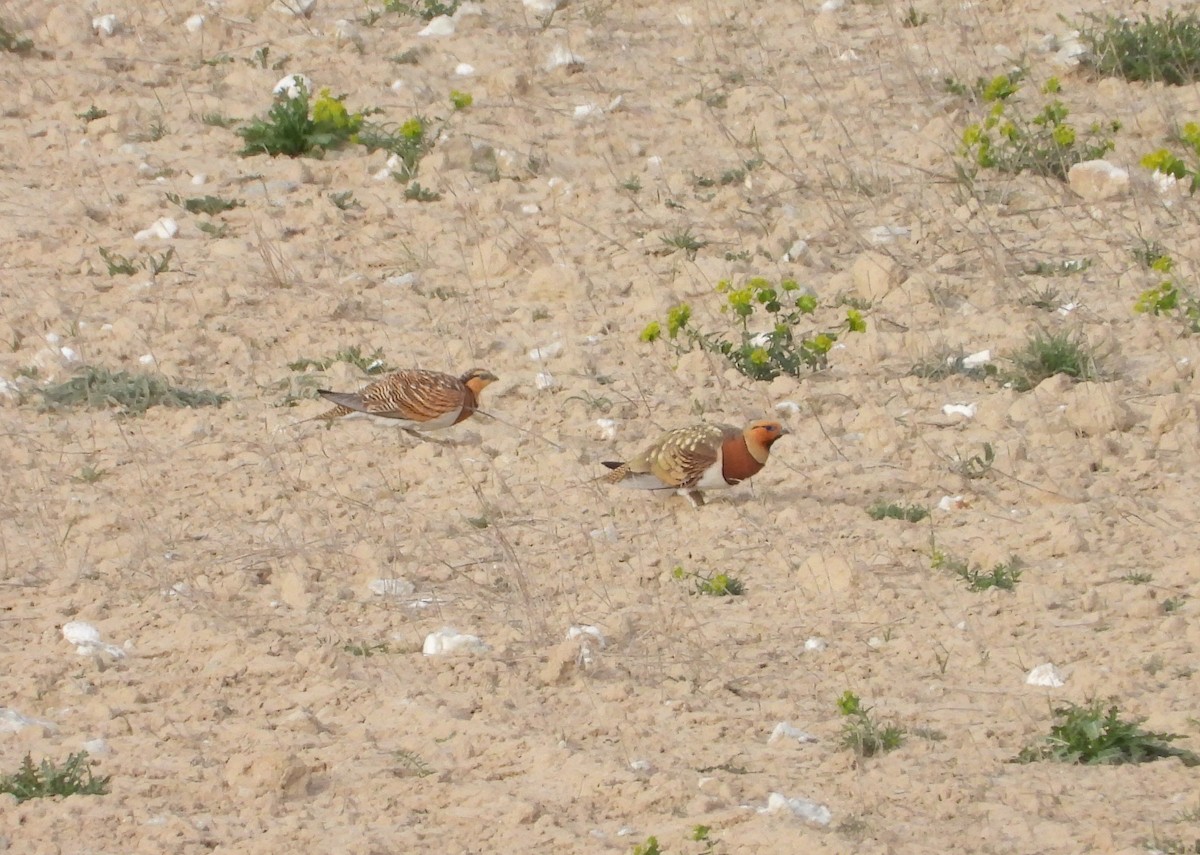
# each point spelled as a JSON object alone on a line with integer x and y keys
{"x": 763, "y": 433}
{"x": 477, "y": 379}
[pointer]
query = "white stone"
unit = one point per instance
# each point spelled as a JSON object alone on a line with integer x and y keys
{"x": 199, "y": 179}
{"x": 608, "y": 428}
{"x": 464, "y": 69}
{"x": 545, "y": 380}
{"x": 562, "y": 56}
{"x": 194, "y": 23}
{"x": 785, "y": 730}
{"x": 295, "y": 8}
{"x": 391, "y": 587}
{"x": 546, "y": 351}
{"x": 12, "y": 721}
{"x": 789, "y": 407}
{"x": 799, "y": 807}
{"x": 105, "y": 25}
{"x": 951, "y": 503}
{"x": 448, "y": 640}
{"x": 442, "y": 25}
{"x": 815, "y": 644}
{"x": 977, "y": 359}
{"x": 1046, "y": 675}
{"x": 887, "y": 234}
{"x": 967, "y": 411}
{"x": 80, "y": 632}
{"x": 163, "y": 228}
{"x": 290, "y": 85}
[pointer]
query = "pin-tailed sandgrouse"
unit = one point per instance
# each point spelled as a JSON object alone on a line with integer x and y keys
{"x": 697, "y": 458}
{"x": 413, "y": 399}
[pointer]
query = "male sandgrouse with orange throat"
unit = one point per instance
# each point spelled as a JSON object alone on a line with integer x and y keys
{"x": 413, "y": 399}
{"x": 699, "y": 457}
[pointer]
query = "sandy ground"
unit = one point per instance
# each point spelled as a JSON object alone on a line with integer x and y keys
{"x": 230, "y": 552}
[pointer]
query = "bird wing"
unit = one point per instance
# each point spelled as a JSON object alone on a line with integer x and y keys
{"x": 412, "y": 395}
{"x": 681, "y": 457}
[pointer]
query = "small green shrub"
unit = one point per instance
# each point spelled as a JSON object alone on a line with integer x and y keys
{"x": 131, "y": 393}
{"x": 73, "y": 778}
{"x": 1004, "y": 575}
{"x": 1090, "y": 735}
{"x": 460, "y": 100}
{"x": 861, "y": 733}
{"x": 1044, "y": 145}
{"x": 1045, "y": 354}
{"x": 10, "y": 42}
{"x": 426, "y": 10}
{"x": 371, "y": 364}
{"x": 892, "y": 511}
{"x": 759, "y": 355}
{"x": 1165, "y": 50}
{"x": 718, "y": 585}
{"x": 290, "y": 130}
{"x": 211, "y": 205}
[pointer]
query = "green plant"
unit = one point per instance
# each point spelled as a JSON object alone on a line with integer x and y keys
{"x": 1090, "y": 735}
{"x": 412, "y": 764}
{"x": 10, "y": 42}
{"x": 216, "y": 230}
{"x": 1003, "y": 576}
{"x": 118, "y": 263}
{"x": 1138, "y": 578}
{"x": 460, "y": 100}
{"x": 426, "y": 10}
{"x": 370, "y": 364}
{"x": 912, "y": 18}
{"x": 1045, "y": 354}
{"x": 893, "y": 511}
{"x": 290, "y": 130}
{"x": 409, "y": 141}
{"x": 91, "y": 114}
{"x": 89, "y": 474}
{"x": 211, "y": 205}
{"x": 131, "y": 393}
{"x": 1167, "y": 162}
{"x": 157, "y": 264}
{"x": 366, "y": 650}
{"x": 72, "y": 778}
{"x": 718, "y": 585}
{"x": 650, "y": 847}
{"x": 344, "y": 200}
{"x": 416, "y": 193}
{"x": 759, "y": 355}
{"x": 1064, "y": 267}
{"x": 218, "y": 120}
{"x": 861, "y": 733}
{"x": 1166, "y": 50}
{"x": 1044, "y": 145}
{"x": 683, "y": 241}
{"x": 632, "y": 184}
{"x": 977, "y": 465}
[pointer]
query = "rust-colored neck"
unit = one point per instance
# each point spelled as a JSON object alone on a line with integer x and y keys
{"x": 738, "y": 461}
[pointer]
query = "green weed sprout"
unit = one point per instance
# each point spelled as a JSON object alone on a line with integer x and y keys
{"x": 1168, "y": 297}
{"x": 460, "y": 100}
{"x": 1090, "y": 735}
{"x": 762, "y": 355}
{"x": 290, "y": 130}
{"x": 1169, "y": 163}
{"x": 1045, "y": 145}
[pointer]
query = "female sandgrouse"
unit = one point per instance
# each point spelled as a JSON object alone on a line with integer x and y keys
{"x": 698, "y": 457}
{"x": 413, "y": 399}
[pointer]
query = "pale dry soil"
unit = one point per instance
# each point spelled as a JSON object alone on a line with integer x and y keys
{"x": 229, "y": 550}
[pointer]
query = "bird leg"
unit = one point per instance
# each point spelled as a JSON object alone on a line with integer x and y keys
{"x": 695, "y": 497}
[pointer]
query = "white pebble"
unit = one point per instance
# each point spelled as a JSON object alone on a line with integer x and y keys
{"x": 789, "y": 407}
{"x": 80, "y": 632}
{"x": 448, "y": 640}
{"x": 887, "y": 234}
{"x": 295, "y": 8}
{"x": 641, "y": 765}
{"x": 105, "y": 25}
{"x": 545, "y": 380}
{"x": 96, "y": 747}
{"x": 951, "y": 503}
{"x": 608, "y": 428}
{"x": 815, "y": 644}
{"x": 1066, "y": 308}
{"x": 608, "y": 534}
{"x": 587, "y": 631}
{"x": 1046, "y": 675}
{"x": 404, "y": 280}
{"x": 799, "y": 807}
{"x": 977, "y": 359}
{"x": 562, "y": 56}
{"x": 290, "y": 86}
{"x": 529, "y": 209}
{"x": 547, "y": 351}
{"x": 442, "y": 25}
{"x": 397, "y": 85}
{"x": 199, "y": 179}
{"x": 967, "y": 411}
{"x": 585, "y": 111}
{"x": 12, "y": 721}
{"x": 684, "y": 17}
{"x": 163, "y": 228}
{"x": 785, "y": 730}
{"x": 464, "y": 69}
{"x": 797, "y": 250}
{"x": 832, "y": 5}
{"x": 542, "y": 8}
{"x": 391, "y": 587}
{"x": 194, "y": 23}
{"x": 69, "y": 354}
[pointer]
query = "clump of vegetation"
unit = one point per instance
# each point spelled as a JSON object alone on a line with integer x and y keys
{"x": 719, "y": 585}
{"x": 291, "y": 130}
{"x": 892, "y": 511}
{"x": 124, "y": 265}
{"x": 371, "y": 364}
{"x": 426, "y": 10}
{"x": 1091, "y": 735}
{"x": 1169, "y": 297}
{"x": 1169, "y": 163}
{"x": 211, "y": 205}
{"x": 1045, "y": 354}
{"x": 1045, "y": 145}
{"x": 760, "y": 355}
{"x": 460, "y": 100}
{"x": 1165, "y": 50}
{"x": 650, "y": 847}
{"x": 1004, "y": 575}
{"x": 72, "y": 778}
{"x": 10, "y": 42}
{"x": 861, "y": 733}
{"x": 131, "y": 393}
